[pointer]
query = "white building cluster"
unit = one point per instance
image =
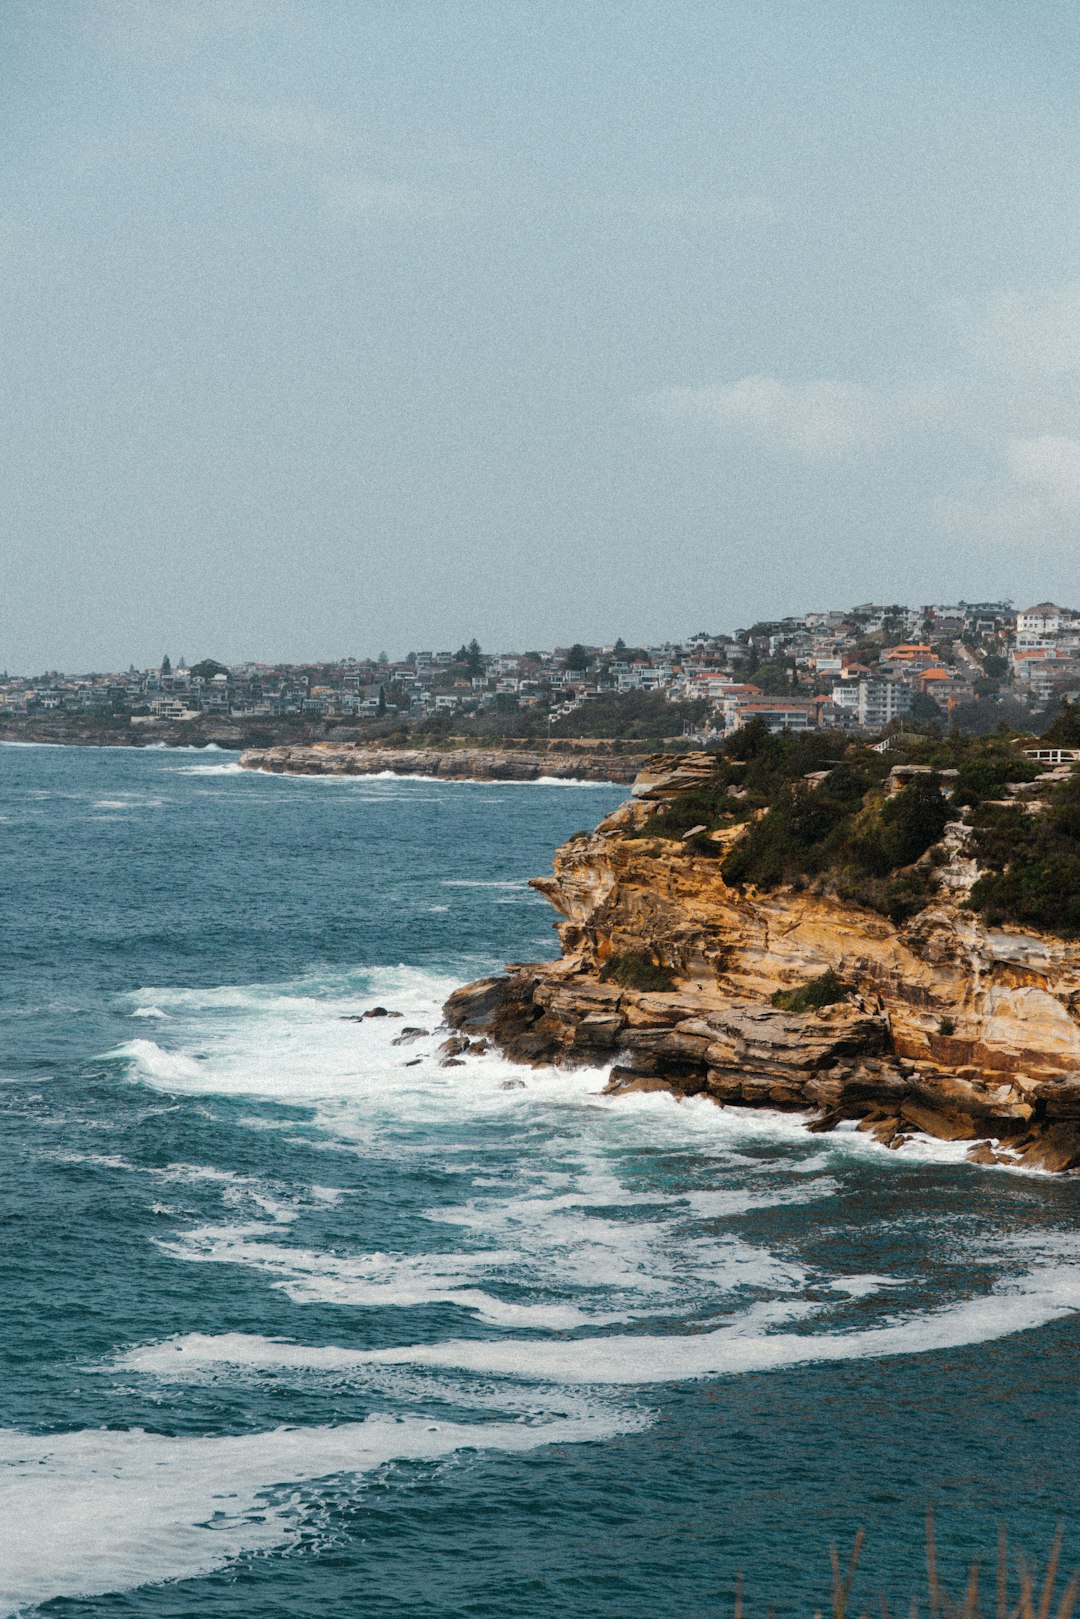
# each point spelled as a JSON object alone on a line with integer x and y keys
{"x": 859, "y": 669}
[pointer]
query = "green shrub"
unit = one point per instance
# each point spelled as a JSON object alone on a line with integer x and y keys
{"x": 709, "y": 806}
{"x": 913, "y": 820}
{"x": 986, "y": 774}
{"x": 1065, "y": 730}
{"x": 843, "y": 835}
{"x": 819, "y": 992}
{"x": 906, "y": 894}
{"x": 635, "y": 969}
{"x": 1032, "y": 862}
{"x": 829, "y": 831}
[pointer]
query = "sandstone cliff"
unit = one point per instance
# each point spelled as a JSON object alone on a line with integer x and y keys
{"x": 450, "y": 764}
{"x": 948, "y": 1026}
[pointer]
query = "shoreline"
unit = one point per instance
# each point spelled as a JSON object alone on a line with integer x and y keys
{"x": 598, "y": 762}
{"x": 479, "y": 764}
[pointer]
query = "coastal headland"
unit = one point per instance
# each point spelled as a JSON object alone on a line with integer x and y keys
{"x": 785, "y": 995}
{"x": 508, "y": 763}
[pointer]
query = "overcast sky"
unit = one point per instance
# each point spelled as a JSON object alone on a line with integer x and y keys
{"x": 338, "y": 325}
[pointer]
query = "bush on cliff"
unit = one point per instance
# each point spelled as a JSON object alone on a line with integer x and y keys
{"x": 858, "y": 846}
{"x": 711, "y": 807}
{"x": 635, "y": 969}
{"x": 1032, "y": 862}
{"x": 986, "y": 773}
{"x": 1065, "y": 730}
{"x": 751, "y": 774}
{"x": 901, "y": 829}
{"x": 811, "y": 997}
{"x": 841, "y": 833}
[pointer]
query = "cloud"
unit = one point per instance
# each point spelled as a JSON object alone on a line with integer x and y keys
{"x": 294, "y": 127}
{"x": 351, "y": 197}
{"x": 171, "y": 27}
{"x": 1051, "y": 464}
{"x": 311, "y": 140}
{"x": 673, "y": 206}
{"x": 818, "y": 420}
{"x": 1032, "y": 332}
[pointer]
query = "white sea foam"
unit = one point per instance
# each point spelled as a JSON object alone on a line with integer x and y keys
{"x": 237, "y": 1191}
{"x": 232, "y": 768}
{"x": 375, "y": 1280}
{"x": 1047, "y": 1296}
{"x": 440, "y": 781}
{"x": 129, "y": 801}
{"x": 282, "y": 1044}
{"x": 861, "y": 1287}
{"x": 745, "y": 1344}
{"x": 172, "y": 1069}
{"x": 730, "y": 1201}
{"x": 474, "y": 882}
{"x": 93, "y": 1512}
{"x": 578, "y": 1247}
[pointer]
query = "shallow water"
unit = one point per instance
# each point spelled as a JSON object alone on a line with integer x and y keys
{"x": 298, "y": 1323}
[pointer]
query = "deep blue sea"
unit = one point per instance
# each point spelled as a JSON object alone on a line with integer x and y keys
{"x": 297, "y": 1323}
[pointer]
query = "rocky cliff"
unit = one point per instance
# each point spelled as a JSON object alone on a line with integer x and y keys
{"x": 450, "y": 764}
{"x": 942, "y": 1024}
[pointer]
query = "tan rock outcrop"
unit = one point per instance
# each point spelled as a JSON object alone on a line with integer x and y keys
{"x": 450, "y": 764}
{"x": 953, "y": 1028}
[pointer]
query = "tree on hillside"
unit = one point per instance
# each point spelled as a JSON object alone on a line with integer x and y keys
{"x": 207, "y": 668}
{"x": 775, "y": 679}
{"x": 1065, "y": 730}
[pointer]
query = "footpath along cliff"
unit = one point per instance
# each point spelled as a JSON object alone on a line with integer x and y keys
{"x": 787, "y": 996}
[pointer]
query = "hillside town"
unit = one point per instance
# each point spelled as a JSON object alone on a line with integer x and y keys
{"x": 968, "y": 666}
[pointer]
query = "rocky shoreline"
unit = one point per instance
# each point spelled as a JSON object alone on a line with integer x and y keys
{"x": 446, "y": 764}
{"x": 947, "y": 1027}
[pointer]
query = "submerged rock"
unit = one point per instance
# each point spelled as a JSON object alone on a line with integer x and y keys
{"x": 408, "y": 1035}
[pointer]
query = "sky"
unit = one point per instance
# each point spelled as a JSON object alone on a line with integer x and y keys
{"x": 337, "y": 326}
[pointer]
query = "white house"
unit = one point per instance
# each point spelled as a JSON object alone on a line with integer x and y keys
{"x": 1042, "y": 621}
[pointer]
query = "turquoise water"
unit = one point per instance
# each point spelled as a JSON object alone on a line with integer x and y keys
{"x": 296, "y": 1322}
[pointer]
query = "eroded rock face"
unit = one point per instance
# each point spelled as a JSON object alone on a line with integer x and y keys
{"x": 451, "y": 764}
{"x": 955, "y": 1029}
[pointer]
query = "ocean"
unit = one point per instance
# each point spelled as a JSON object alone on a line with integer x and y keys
{"x": 297, "y": 1322}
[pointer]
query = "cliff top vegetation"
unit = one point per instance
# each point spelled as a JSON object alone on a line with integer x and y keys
{"x": 822, "y": 811}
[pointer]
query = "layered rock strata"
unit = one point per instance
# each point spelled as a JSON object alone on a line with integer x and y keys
{"x": 963, "y": 1032}
{"x": 450, "y": 764}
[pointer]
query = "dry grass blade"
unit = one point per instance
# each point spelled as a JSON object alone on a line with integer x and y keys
{"x": 1068, "y": 1597}
{"x": 971, "y": 1597}
{"x": 1025, "y": 1606}
{"x": 1051, "y": 1574}
{"x": 842, "y": 1583}
{"x": 932, "y": 1586}
{"x": 1034, "y": 1598}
